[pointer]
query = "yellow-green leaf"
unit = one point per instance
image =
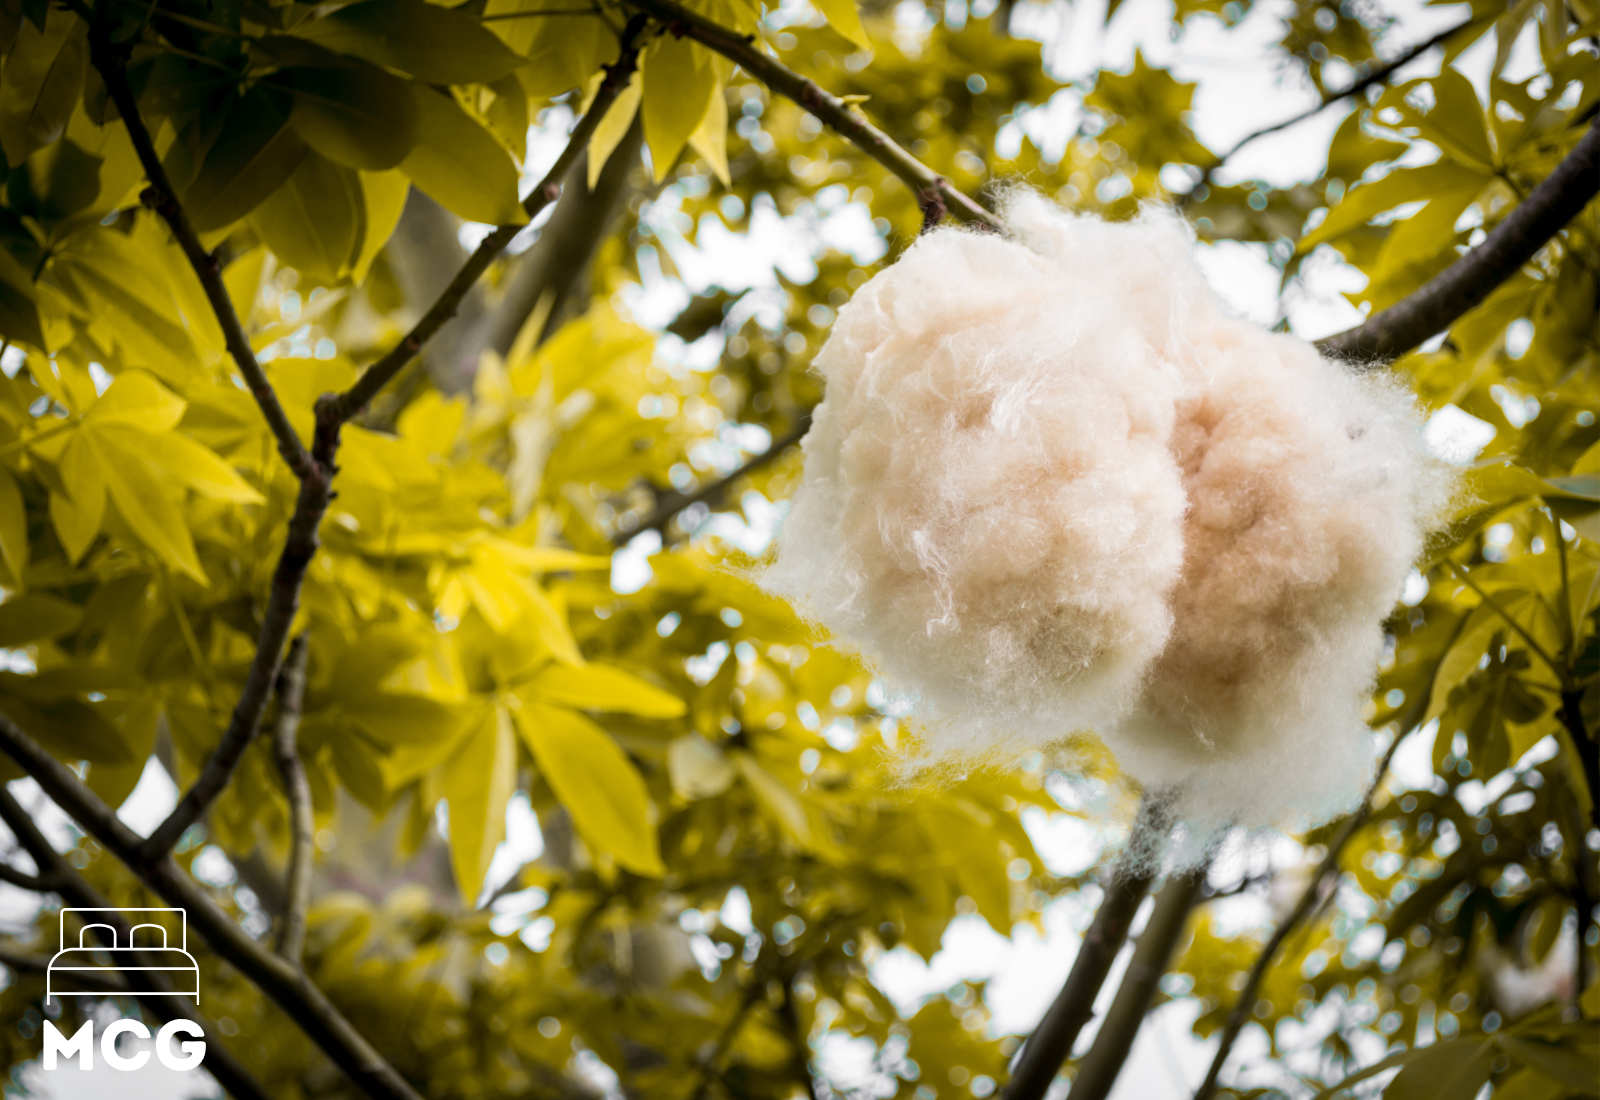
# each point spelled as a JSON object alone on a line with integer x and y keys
{"x": 678, "y": 86}
{"x": 596, "y": 782}
{"x": 314, "y": 221}
{"x": 137, "y": 399}
{"x": 13, "y": 528}
{"x": 477, "y": 781}
{"x": 619, "y": 116}
{"x": 384, "y": 194}
{"x": 843, "y": 17}
{"x": 460, "y": 164}
{"x": 599, "y": 687}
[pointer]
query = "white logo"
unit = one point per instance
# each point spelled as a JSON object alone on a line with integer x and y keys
{"x": 149, "y": 949}
{"x": 156, "y": 948}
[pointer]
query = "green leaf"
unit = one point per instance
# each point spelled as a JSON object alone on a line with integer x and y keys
{"x": 435, "y": 44}
{"x": 596, "y": 782}
{"x": 1561, "y": 1061}
{"x": 607, "y": 135}
{"x": 19, "y": 316}
{"x": 678, "y": 85}
{"x": 597, "y": 687}
{"x": 138, "y": 399}
{"x": 143, "y": 501}
{"x": 78, "y": 513}
{"x": 187, "y": 463}
{"x": 1366, "y": 202}
{"x": 357, "y": 115}
{"x": 256, "y": 151}
{"x": 314, "y": 222}
{"x": 1456, "y": 123}
{"x": 1445, "y": 1071}
{"x": 477, "y": 780}
{"x": 36, "y": 617}
{"x": 13, "y": 529}
{"x": 778, "y": 801}
{"x": 384, "y": 196}
{"x": 843, "y": 17}
{"x": 40, "y": 85}
{"x": 460, "y": 164}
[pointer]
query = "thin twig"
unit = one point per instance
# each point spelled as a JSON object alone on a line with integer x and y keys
{"x": 299, "y": 547}
{"x": 711, "y": 491}
{"x": 1051, "y": 1043}
{"x": 799, "y": 1042}
{"x": 1158, "y": 942}
{"x": 317, "y": 472}
{"x": 1465, "y": 577}
{"x": 375, "y": 377}
{"x": 22, "y": 880}
{"x": 1518, "y": 237}
{"x": 110, "y": 60}
{"x": 75, "y": 890}
{"x": 282, "y": 981}
{"x": 297, "y": 788}
{"x": 1309, "y": 898}
{"x": 753, "y": 994}
{"x": 934, "y": 193}
{"x": 1584, "y": 889}
{"x": 1378, "y": 74}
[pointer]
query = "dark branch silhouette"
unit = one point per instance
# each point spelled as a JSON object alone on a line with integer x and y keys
{"x": 1557, "y": 199}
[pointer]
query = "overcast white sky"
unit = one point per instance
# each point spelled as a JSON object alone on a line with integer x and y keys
{"x": 1240, "y": 89}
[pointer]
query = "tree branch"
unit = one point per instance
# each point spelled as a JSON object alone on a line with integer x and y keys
{"x": 1303, "y": 907}
{"x": 282, "y": 981}
{"x": 548, "y": 190}
{"x": 1584, "y": 889}
{"x": 711, "y": 491}
{"x": 1378, "y": 74}
{"x": 934, "y": 193}
{"x": 1051, "y": 1043}
{"x": 110, "y": 61}
{"x": 1558, "y": 199}
{"x": 75, "y": 890}
{"x": 799, "y": 1042}
{"x": 299, "y": 547}
{"x": 1169, "y": 916}
{"x": 752, "y": 996}
{"x": 302, "y": 829}
{"x": 22, "y": 880}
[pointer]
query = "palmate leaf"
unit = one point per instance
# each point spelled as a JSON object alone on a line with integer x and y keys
{"x": 126, "y": 449}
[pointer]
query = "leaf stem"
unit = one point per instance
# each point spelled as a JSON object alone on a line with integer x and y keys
{"x": 291, "y": 693}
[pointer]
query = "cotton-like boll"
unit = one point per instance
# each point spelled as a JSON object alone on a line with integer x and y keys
{"x": 1310, "y": 494}
{"x": 989, "y": 510}
{"x": 1056, "y": 486}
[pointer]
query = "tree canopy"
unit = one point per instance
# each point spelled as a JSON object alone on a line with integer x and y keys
{"x": 345, "y": 482}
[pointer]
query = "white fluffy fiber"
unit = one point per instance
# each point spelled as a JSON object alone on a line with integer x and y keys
{"x": 1056, "y": 486}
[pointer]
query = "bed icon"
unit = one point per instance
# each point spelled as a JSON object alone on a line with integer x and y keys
{"x": 126, "y": 942}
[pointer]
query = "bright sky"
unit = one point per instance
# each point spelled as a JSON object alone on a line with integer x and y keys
{"x": 1240, "y": 89}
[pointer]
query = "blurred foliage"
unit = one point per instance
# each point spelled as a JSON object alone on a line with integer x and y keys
{"x": 728, "y": 851}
